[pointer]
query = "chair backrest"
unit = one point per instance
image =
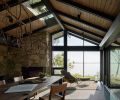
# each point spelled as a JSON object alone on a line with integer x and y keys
{"x": 68, "y": 76}
{"x": 58, "y": 89}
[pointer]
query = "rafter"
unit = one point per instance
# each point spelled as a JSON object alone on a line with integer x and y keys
{"x": 50, "y": 8}
{"x": 11, "y": 3}
{"x": 84, "y": 30}
{"x": 10, "y": 27}
{"x": 82, "y": 21}
{"x": 87, "y": 9}
{"x": 40, "y": 29}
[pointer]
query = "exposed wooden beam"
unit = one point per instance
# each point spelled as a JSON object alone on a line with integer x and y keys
{"x": 87, "y": 9}
{"x": 84, "y": 30}
{"x": 10, "y": 3}
{"x": 86, "y": 37}
{"x": 82, "y": 21}
{"x": 112, "y": 34}
{"x": 50, "y": 8}
{"x": 10, "y": 27}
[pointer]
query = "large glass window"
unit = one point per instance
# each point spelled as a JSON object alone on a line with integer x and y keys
{"x": 115, "y": 67}
{"x": 77, "y": 64}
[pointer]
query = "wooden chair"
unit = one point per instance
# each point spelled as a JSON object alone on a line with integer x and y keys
{"x": 54, "y": 92}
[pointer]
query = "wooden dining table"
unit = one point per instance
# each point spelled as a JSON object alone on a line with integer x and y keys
{"x": 48, "y": 81}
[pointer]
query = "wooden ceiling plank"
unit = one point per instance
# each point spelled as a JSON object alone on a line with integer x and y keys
{"x": 40, "y": 29}
{"x": 81, "y": 21}
{"x": 84, "y": 30}
{"x": 112, "y": 34}
{"x": 88, "y": 10}
{"x": 11, "y": 3}
{"x": 10, "y": 27}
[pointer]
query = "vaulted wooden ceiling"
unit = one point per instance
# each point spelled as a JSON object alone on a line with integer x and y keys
{"x": 93, "y": 17}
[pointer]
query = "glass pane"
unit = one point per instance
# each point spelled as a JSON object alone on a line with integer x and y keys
{"x": 77, "y": 41}
{"x": 92, "y": 65}
{"x": 75, "y": 63}
{"x": 74, "y": 41}
{"x": 115, "y": 67}
{"x": 88, "y": 44}
{"x": 57, "y": 39}
{"x": 58, "y": 59}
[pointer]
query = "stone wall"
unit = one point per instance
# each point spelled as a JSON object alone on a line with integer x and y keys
{"x": 33, "y": 51}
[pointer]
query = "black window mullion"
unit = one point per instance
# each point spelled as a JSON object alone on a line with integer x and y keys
{"x": 65, "y": 49}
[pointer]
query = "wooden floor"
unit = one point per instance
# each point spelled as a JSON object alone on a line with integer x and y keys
{"x": 93, "y": 92}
